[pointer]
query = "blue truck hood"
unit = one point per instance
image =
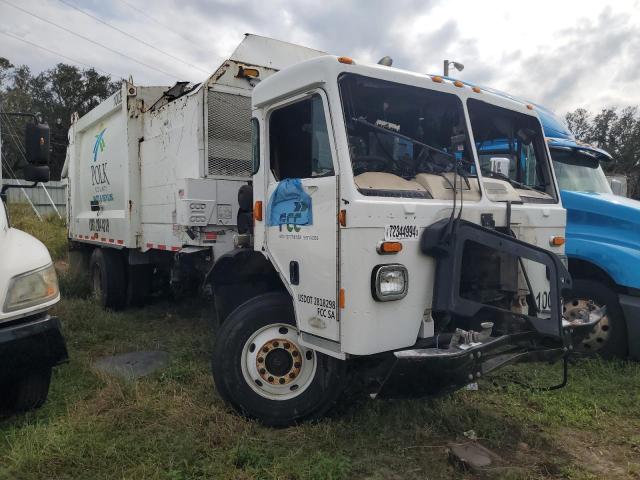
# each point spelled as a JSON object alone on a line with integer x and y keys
{"x": 620, "y": 210}
{"x": 604, "y": 229}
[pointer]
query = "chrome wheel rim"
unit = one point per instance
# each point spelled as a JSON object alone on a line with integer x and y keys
{"x": 274, "y": 365}
{"x": 580, "y": 308}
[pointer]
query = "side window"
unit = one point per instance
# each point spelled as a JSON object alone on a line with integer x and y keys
{"x": 299, "y": 141}
{"x": 255, "y": 146}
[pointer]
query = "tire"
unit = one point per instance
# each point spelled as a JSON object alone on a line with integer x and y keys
{"x": 30, "y": 391}
{"x": 108, "y": 278}
{"x": 312, "y": 386}
{"x": 139, "y": 281}
{"x": 608, "y": 339}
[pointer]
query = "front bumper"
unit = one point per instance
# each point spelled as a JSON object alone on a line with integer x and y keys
{"x": 631, "y": 308}
{"x": 32, "y": 343}
{"x": 428, "y": 371}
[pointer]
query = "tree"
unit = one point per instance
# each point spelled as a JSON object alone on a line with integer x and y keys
{"x": 54, "y": 94}
{"x": 617, "y": 132}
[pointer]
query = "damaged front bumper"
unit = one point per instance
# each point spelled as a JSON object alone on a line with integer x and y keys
{"x": 454, "y": 359}
{"x": 436, "y": 369}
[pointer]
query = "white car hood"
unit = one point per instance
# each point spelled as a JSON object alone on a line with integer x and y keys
{"x": 20, "y": 253}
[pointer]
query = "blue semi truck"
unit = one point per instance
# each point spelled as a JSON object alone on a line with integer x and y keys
{"x": 603, "y": 242}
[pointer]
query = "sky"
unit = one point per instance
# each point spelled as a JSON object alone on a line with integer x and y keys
{"x": 563, "y": 54}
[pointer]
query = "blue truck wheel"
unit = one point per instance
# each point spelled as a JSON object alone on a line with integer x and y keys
{"x": 608, "y": 339}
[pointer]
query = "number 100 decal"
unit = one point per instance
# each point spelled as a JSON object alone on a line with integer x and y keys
{"x": 543, "y": 299}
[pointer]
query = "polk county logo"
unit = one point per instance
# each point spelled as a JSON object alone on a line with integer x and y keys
{"x": 99, "y": 172}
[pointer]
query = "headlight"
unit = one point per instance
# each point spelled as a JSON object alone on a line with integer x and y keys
{"x": 32, "y": 288}
{"x": 389, "y": 282}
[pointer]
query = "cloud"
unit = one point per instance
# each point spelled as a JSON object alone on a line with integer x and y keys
{"x": 563, "y": 54}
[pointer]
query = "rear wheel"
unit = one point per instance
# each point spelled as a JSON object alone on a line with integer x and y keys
{"x": 108, "y": 278}
{"x": 609, "y": 337}
{"x": 29, "y": 391}
{"x": 262, "y": 371}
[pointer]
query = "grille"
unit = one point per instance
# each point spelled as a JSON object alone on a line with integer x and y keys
{"x": 229, "y": 125}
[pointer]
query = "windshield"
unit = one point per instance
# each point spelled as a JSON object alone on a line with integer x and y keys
{"x": 579, "y": 174}
{"x": 400, "y": 132}
{"x": 511, "y": 147}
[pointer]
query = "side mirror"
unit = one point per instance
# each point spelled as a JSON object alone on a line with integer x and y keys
{"x": 37, "y": 144}
{"x": 36, "y": 173}
{"x": 500, "y": 165}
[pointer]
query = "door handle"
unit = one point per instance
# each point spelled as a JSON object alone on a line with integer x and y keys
{"x": 294, "y": 273}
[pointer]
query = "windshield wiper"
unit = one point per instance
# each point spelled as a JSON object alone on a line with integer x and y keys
{"x": 513, "y": 182}
{"x": 373, "y": 126}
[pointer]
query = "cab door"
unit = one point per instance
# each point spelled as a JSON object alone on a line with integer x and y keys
{"x": 302, "y": 209}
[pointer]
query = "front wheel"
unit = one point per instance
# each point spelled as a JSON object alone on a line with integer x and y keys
{"x": 262, "y": 371}
{"x": 609, "y": 337}
{"x": 28, "y": 391}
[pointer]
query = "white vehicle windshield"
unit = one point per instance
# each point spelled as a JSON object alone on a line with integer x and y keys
{"x": 516, "y": 141}
{"x": 577, "y": 173}
{"x": 401, "y": 131}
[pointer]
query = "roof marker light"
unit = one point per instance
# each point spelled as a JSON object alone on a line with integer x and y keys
{"x": 476, "y": 89}
{"x": 529, "y": 106}
{"x": 248, "y": 72}
{"x": 436, "y": 79}
{"x": 458, "y": 84}
{"x": 346, "y": 60}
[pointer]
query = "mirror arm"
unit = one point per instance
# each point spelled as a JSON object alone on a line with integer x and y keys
{"x": 6, "y": 187}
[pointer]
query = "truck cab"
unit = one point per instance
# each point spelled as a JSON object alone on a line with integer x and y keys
{"x": 31, "y": 341}
{"x": 603, "y": 243}
{"x": 382, "y": 232}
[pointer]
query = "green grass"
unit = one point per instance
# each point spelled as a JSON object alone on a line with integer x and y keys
{"x": 172, "y": 425}
{"x": 52, "y": 231}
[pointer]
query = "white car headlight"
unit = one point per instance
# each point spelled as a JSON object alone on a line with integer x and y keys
{"x": 32, "y": 288}
{"x": 390, "y": 282}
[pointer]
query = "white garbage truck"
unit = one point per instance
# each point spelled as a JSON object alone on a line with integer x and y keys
{"x": 342, "y": 215}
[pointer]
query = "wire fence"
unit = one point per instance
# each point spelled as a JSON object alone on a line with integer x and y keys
{"x": 38, "y": 196}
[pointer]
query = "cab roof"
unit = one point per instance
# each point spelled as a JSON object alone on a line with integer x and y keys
{"x": 326, "y": 69}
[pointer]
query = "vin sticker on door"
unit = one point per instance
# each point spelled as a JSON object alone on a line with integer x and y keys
{"x": 401, "y": 232}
